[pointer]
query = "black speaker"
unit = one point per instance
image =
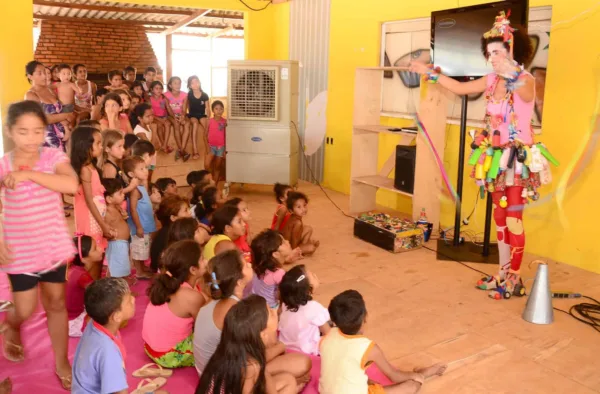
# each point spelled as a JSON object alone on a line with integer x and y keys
{"x": 404, "y": 177}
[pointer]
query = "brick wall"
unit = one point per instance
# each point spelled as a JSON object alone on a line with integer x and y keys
{"x": 100, "y": 46}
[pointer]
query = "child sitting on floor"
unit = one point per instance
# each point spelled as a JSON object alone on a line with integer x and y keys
{"x": 166, "y": 186}
{"x": 207, "y": 204}
{"x": 96, "y": 113}
{"x": 141, "y": 216}
{"x": 117, "y": 252}
{"x": 281, "y": 213}
{"x": 227, "y": 226}
{"x": 130, "y": 139}
{"x": 195, "y": 177}
{"x": 346, "y": 342}
{"x": 302, "y": 320}
{"x": 239, "y": 363}
{"x": 83, "y": 270}
{"x": 99, "y": 363}
{"x": 242, "y": 242}
{"x": 294, "y": 230}
{"x": 174, "y": 305}
{"x": 269, "y": 251}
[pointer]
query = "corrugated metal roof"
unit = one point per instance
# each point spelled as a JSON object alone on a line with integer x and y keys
{"x": 152, "y": 17}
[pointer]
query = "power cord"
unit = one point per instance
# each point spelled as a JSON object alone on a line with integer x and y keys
{"x": 256, "y": 9}
{"x": 585, "y": 312}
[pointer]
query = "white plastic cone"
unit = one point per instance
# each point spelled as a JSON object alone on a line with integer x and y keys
{"x": 539, "y": 305}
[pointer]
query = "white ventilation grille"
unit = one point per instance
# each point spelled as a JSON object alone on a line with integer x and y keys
{"x": 253, "y": 93}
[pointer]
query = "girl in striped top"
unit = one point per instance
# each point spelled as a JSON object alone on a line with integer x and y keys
{"x": 36, "y": 244}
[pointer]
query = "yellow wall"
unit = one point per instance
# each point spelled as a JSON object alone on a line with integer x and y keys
{"x": 355, "y": 41}
{"x": 261, "y": 37}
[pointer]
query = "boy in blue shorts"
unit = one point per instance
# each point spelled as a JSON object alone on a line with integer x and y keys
{"x": 99, "y": 364}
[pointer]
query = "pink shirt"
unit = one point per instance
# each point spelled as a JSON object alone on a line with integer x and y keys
{"x": 77, "y": 281}
{"x": 35, "y": 229}
{"x": 159, "y": 106}
{"x": 162, "y": 330}
{"x": 176, "y": 103}
{"x": 123, "y": 122}
{"x": 300, "y": 330}
{"x": 216, "y": 132}
{"x": 499, "y": 112}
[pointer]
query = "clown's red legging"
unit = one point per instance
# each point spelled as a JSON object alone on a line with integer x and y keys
{"x": 509, "y": 225}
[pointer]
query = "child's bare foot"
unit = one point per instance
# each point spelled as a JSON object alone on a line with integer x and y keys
{"x": 316, "y": 243}
{"x": 436, "y": 369}
{"x": 6, "y": 386}
{"x": 12, "y": 347}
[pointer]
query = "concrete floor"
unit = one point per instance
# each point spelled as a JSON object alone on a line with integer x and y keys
{"x": 423, "y": 311}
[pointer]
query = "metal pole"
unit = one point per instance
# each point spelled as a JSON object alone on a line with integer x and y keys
{"x": 461, "y": 170}
{"x": 488, "y": 225}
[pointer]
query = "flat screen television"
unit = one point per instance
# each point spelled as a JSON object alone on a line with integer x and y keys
{"x": 456, "y": 36}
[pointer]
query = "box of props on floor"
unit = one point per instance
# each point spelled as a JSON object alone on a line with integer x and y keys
{"x": 388, "y": 232}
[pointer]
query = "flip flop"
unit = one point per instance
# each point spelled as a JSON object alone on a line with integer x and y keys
{"x": 5, "y": 305}
{"x": 152, "y": 370}
{"x": 149, "y": 386}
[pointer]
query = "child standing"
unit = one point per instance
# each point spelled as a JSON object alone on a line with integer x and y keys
{"x": 178, "y": 103}
{"x": 302, "y": 320}
{"x": 87, "y": 91}
{"x": 34, "y": 178}
{"x": 141, "y": 216}
{"x": 198, "y": 113}
{"x": 269, "y": 251}
{"x": 115, "y": 79}
{"x": 113, "y": 149}
{"x": 174, "y": 305}
{"x": 216, "y": 140}
{"x": 66, "y": 90}
{"x": 146, "y": 151}
{"x": 117, "y": 253}
{"x": 282, "y": 214}
{"x": 294, "y": 230}
{"x": 112, "y": 118}
{"x": 99, "y": 363}
{"x": 161, "y": 110}
{"x": 346, "y": 342}
{"x": 90, "y": 206}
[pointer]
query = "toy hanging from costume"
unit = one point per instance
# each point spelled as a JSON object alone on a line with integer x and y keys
{"x": 506, "y": 161}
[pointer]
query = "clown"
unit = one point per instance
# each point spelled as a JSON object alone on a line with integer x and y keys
{"x": 506, "y": 161}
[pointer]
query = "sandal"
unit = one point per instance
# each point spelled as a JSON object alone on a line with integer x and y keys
{"x": 65, "y": 381}
{"x": 149, "y": 386}
{"x": 5, "y": 305}
{"x": 152, "y": 370}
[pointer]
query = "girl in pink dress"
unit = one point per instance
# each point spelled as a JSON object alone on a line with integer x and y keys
{"x": 178, "y": 103}
{"x": 507, "y": 162}
{"x": 90, "y": 207}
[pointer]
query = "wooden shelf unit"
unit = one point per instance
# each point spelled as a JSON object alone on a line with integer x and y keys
{"x": 366, "y": 177}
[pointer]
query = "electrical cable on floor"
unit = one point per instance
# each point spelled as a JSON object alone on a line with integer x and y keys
{"x": 584, "y": 311}
{"x": 256, "y": 9}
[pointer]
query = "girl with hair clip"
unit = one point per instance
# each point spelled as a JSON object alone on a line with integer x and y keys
{"x": 227, "y": 226}
{"x": 269, "y": 252}
{"x": 174, "y": 305}
{"x": 178, "y": 104}
{"x": 227, "y": 276}
{"x": 35, "y": 244}
{"x": 112, "y": 118}
{"x": 113, "y": 149}
{"x": 83, "y": 270}
{"x": 90, "y": 206}
{"x": 207, "y": 204}
{"x": 512, "y": 167}
{"x": 302, "y": 320}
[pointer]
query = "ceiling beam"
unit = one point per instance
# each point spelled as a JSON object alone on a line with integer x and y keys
{"x": 188, "y": 20}
{"x": 221, "y": 32}
{"x": 157, "y": 30}
{"x": 133, "y": 10}
{"x": 128, "y": 22}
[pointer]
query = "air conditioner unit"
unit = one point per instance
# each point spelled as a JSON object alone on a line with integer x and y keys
{"x": 262, "y": 136}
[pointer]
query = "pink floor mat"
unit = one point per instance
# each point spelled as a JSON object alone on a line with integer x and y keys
{"x": 36, "y": 373}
